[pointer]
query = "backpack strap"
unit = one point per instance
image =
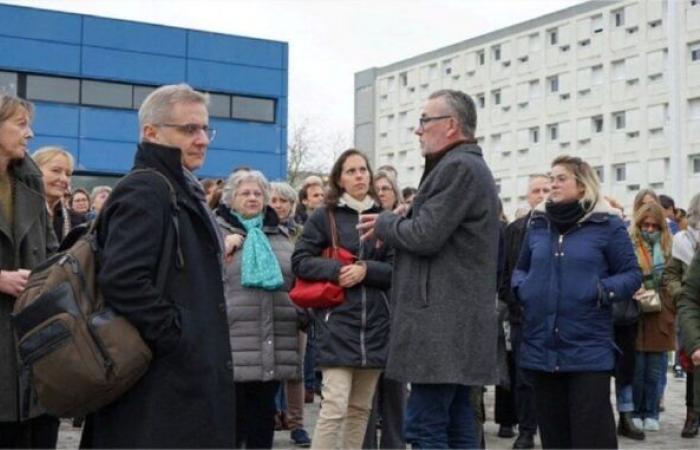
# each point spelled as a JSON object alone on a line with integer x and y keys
{"x": 171, "y": 237}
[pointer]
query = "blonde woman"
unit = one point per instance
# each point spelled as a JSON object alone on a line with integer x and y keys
{"x": 56, "y": 166}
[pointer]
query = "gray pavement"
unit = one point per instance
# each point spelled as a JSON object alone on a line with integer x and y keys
{"x": 668, "y": 438}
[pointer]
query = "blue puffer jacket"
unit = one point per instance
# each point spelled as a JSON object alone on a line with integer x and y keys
{"x": 566, "y": 284}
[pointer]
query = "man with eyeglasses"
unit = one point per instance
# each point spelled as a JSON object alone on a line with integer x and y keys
{"x": 186, "y": 398}
{"x": 444, "y": 329}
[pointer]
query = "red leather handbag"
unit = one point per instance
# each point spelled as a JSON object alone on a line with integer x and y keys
{"x": 323, "y": 294}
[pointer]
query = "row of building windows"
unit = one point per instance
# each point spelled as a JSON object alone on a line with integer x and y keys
{"x": 125, "y": 96}
{"x": 621, "y": 69}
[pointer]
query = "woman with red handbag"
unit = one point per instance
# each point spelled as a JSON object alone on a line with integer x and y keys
{"x": 352, "y": 337}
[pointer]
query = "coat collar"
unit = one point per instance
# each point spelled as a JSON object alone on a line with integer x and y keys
{"x": 601, "y": 212}
{"x": 431, "y": 161}
{"x": 29, "y": 198}
{"x": 167, "y": 160}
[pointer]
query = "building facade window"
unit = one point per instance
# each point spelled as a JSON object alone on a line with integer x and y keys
{"x": 481, "y": 57}
{"x": 8, "y": 82}
{"x": 534, "y": 135}
{"x": 553, "y": 84}
{"x": 620, "y": 172}
{"x": 618, "y": 119}
{"x": 600, "y": 172}
{"x": 553, "y": 131}
{"x": 496, "y": 52}
{"x": 597, "y": 124}
{"x": 618, "y": 18}
{"x": 553, "y": 36}
{"x": 53, "y": 89}
{"x": 100, "y": 93}
{"x": 694, "y": 49}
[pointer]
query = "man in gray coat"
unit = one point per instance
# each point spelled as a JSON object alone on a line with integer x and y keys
{"x": 444, "y": 331}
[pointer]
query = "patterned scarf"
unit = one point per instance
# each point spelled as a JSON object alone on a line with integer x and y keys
{"x": 259, "y": 265}
{"x": 650, "y": 256}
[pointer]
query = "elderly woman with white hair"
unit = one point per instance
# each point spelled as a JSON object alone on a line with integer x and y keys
{"x": 262, "y": 320}
{"x": 685, "y": 246}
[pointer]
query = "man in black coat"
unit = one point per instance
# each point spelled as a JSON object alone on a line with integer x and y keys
{"x": 186, "y": 399}
{"x": 537, "y": 192}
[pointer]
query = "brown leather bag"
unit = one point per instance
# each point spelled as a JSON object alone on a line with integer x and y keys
{"x": 78, "y": 354}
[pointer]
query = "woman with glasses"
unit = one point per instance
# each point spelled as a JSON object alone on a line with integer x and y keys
{"x": 387, "y": 191}
{"x": 263, "y": 322}
{"x": 656, "y": 328}
{"x": 576, "y": 261}
{"x": 351, "y": 338}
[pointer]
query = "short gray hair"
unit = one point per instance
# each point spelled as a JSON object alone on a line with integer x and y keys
{"x": 158, "y": 106}
{"x": 694, "y": 212}
{"x": 243, "y": 176}
{"x": 100, "y": 189}
{"x": 462, "y": 107}
{"x": 285, "y": 191}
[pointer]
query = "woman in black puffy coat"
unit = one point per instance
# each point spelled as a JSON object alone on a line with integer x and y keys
{"x": 352, "y": 338}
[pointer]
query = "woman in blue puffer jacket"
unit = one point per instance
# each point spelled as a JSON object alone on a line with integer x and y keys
{"x": 576, "y": 260}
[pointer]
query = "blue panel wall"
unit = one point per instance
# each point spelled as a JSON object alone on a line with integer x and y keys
{"x": 104, "y": 139}
{"x": 39, "y": 24}
{"x": 220, "y": 163}
{"x": 137, "y": 37}
{"x": 256, "y": 137}
{"x": 39, "y": 56}
{"x": 107, "y": 156}
{"x": 115, "y": 125}
{"x": 235, "y": 50}
{"x": 56, "y": 120}
{"x": 234, "y": 78}
{"x": 130, "y": 66}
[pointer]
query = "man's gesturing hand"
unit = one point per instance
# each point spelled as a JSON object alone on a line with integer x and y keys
{"x": 366, "y": 226}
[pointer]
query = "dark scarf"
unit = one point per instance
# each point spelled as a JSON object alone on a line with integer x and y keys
{"x": 566, "y": 215}
{"x": 433, "y": 159}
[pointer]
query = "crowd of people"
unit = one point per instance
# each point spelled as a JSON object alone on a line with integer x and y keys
{"x": 442, "y": 298}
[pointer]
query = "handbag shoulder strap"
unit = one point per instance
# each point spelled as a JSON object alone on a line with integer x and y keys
{"x": 334, "y": 230}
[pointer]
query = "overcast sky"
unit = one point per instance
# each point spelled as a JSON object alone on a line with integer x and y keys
{"x": 329, "y": 40}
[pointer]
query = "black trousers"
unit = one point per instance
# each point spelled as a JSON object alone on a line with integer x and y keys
{"x": 574, "y": 410}
{"x": 505, "y": 407}
{"x": 40, "y": 432}
{"x": 524, "y": 390}
{"x": 255, "y": 414}
{"x": 389, "y": 405}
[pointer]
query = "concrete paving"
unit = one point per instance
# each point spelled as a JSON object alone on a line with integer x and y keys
{"x": 669, "y": 437}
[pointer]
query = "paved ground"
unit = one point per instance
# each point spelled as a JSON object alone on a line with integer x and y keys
{"x": 668, "y": 438}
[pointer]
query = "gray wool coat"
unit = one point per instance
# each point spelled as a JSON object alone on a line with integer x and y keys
{"x": 22, "y": 246}
{"x": 444, "y": 327}
{"x": 263, "y": 325}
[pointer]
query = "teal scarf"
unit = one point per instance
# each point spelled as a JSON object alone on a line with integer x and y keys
{"x": 259, "y": 265}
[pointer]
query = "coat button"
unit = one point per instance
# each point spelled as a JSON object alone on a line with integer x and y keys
{"x": 612, "y": 294}
{"x": 269, "y": 342}
{"x": 229, "y": 364}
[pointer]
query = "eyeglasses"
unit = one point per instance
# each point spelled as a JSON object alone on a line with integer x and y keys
{"x": 191, "y": 129}
{"x": 423, "y": 120}
{"x": 255, "y": 194}
{"x": 385, "y": 189}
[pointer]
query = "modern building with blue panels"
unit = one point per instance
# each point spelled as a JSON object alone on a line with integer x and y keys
{"x": 88, "y": 75}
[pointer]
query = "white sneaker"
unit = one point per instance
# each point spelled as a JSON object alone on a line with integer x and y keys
{"x": 651, "y": 424}
{"x": 638, "y": 423}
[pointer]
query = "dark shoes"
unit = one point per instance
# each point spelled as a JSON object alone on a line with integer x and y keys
{"x": 627, "y": 428}
{"x": 525, "y": 440}
{"x": 300, "y": 438}
{"x": 692, "y": 420}
{"x": 506, "y": 431}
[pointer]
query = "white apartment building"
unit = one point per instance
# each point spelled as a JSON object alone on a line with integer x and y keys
{"x": 592, "y": 80}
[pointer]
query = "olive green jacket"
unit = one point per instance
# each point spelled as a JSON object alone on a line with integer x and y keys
{"x": 689, "y": 316}
{"x": 23, "y": 245}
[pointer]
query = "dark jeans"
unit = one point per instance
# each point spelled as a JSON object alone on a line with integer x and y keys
{"x": 255, "y": 414}
{"x": 388, "y": 406}
{"x": 524, "y": 390}
{"x": 310, "y": 383}
{"x": 505, "y": 409}
{"x": 689, "y": 388}
{"x": 40, "y": 432}
{"x": 574, "y": 410}
{"x": 440, "y": 416}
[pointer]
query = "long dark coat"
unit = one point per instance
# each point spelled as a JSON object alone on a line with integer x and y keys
{"x": 355, "y": 333}
{"x": 186, "y": 399}
{"x": 23, "y": 246}
{"x": 444, "y": 326}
